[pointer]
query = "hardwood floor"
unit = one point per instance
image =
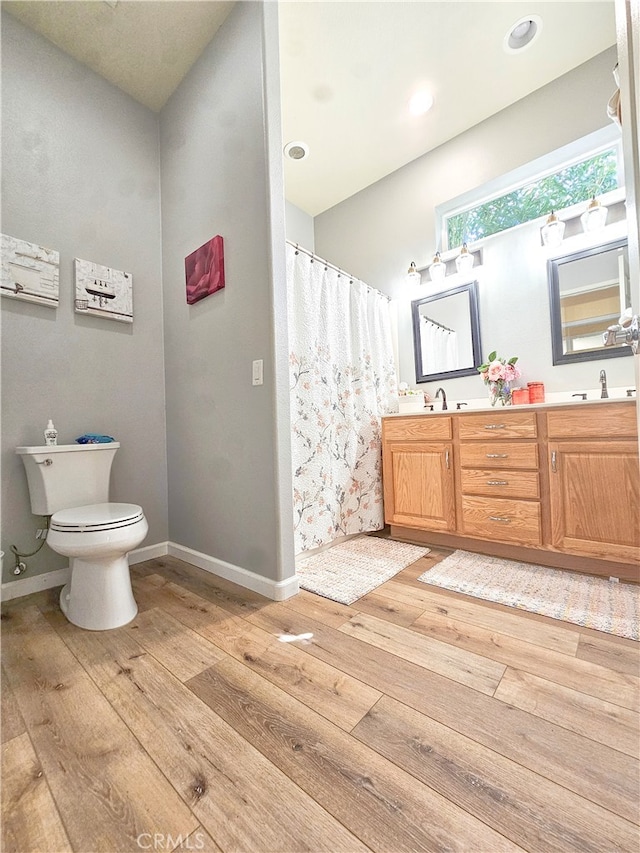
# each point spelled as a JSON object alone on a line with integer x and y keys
{"x": 414, "y": 720}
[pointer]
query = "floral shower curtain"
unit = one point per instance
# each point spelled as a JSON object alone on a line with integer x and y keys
{"x": 343, "y": 379}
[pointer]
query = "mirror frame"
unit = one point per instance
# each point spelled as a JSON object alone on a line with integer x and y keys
{"x": 553, "y": 276}
{"x": 474, "y": 315}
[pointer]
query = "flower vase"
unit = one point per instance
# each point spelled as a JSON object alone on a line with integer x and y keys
{"x": 499, "y": 393}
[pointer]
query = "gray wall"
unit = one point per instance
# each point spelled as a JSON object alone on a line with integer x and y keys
{"x": 80, "y": 175}
{"x": 299, "y": 226}
{"x": 377, "y": 232}
{"x": 225, "y": 497}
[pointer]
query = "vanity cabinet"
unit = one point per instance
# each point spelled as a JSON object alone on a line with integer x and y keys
{"x": 594, "y": 486}
{"x": 554, "y": 485}
{"x": 499, "y": 482}
{"x": 419, "y": 490}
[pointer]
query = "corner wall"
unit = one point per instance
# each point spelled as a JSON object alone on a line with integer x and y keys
{"x": 80, "y": 175}
{"x": 227, "y": 499}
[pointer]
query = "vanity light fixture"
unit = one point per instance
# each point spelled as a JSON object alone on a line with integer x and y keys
{"x": 438, "y": 269}
{"x": 594, "y": 217}
{"x": 464, "y": 261}
{"x": 413, "y": 276}
{"x": 552, "y": 231}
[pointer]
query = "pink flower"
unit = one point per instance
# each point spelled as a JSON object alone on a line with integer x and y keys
{"x": 511, "y": 372}
{"x": 496, "y": 371}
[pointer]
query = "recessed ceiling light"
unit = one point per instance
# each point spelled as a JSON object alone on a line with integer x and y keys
{"x": 420, "y": 103}
{"x": 296, "y": 150}
{"x": 522, "y": 33}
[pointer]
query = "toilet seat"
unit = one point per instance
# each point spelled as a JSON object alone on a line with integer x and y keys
{"x": 96, "y": 517}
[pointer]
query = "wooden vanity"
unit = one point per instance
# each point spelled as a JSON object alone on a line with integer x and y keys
{"x": 555, "y": 485}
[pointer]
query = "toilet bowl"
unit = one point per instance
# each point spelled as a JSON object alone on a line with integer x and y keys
{"x": 70, "y": 483}
{"x": 97, "y": 539}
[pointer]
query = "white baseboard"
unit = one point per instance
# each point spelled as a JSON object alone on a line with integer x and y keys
{"x": 37, "y": 583}
{"x": 275, "y": 590}
{"x": 25, "y": 586}
{"x": 149, "y": 552}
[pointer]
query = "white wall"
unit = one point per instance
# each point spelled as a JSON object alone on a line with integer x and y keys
{"x": 228, "y": 497}
{"x": 376, "y": 232}
{"x": 81, "y": 175}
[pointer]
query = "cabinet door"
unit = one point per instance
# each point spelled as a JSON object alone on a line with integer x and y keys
{"x": 418, "y": 485}
{"x": 594, "y": 489}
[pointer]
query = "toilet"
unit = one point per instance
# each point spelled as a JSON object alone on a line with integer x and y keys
{"x": 70, "y": 483}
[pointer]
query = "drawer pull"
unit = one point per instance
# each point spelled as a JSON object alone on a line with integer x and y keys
{"x": 554, "y": 465}
{"x": 500, "y": 518}
{"x": 497, "y": 482}
{"x": 495, "y": 426}
{"x": 497, "y": 455}
{"x": 446, "y": 458}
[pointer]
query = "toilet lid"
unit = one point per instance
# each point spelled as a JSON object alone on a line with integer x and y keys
{"x": 96, "y": 517}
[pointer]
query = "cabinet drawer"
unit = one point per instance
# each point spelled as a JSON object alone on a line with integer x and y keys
{"x": 499, "y": 455}
{"x": 498, "y": 425}
{"x": 604, "y": 420}
{"x": 422, "y": 427}
{"x": 502, "y": 519}
{"x": 501, "y": 484}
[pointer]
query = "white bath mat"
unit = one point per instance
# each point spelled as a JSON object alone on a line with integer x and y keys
{"x": 350, "y": 570}
{"x": 582, "y": 599}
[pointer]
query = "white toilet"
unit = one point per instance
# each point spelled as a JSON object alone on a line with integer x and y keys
{"x": 70, "y": 482}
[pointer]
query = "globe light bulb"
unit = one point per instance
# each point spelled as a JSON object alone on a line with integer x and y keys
{"x": 413, "y": 276}
{"x": 553, "y": 231}
{"x": 438, "y": 268}
{"x": 464, "y": 261}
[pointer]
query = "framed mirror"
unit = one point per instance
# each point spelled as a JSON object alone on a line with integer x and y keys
{"x": 588, "y": 290}
{"x": 446, "y": 334}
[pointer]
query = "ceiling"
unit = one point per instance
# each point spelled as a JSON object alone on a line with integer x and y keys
{"x": 143, "y": 48}
{"x": 348, "y": 69}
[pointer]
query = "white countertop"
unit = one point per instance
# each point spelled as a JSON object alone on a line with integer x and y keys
{"x": 554, "y": 398}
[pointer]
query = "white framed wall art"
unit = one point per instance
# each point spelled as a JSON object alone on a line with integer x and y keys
{"x": 103, "y": 291}
{"x": 29, "y": 272}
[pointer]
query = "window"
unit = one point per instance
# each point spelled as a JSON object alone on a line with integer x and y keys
{"x": 578, "y": 182}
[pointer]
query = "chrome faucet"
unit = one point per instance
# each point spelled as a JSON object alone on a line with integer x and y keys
{"x": 444, "y": 398}
{"x": 603, "y": 384}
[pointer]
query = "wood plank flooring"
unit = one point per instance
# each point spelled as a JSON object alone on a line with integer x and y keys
{"x": 413, "y": 720}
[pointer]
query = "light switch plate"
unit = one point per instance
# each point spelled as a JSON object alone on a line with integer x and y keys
{"x": 258, "y": 372}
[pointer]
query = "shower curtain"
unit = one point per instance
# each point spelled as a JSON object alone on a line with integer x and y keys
{"x": 439, "y": 347}
{"x": 343, "y": 379}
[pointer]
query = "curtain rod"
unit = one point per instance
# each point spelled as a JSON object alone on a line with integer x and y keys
{"x": 328, "y": 265}
{"x": 435, "y": 323}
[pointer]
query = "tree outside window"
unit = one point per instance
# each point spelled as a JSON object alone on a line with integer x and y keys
{"x": 571, "y": 185}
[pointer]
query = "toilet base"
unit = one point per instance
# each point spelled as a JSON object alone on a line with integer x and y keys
{"x": 99, "y": 597}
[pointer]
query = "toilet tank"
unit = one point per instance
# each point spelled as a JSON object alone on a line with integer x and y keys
{"x": 67, "y": 475}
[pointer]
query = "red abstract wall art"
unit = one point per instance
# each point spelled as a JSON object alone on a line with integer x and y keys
{"x": 204, "y": 270}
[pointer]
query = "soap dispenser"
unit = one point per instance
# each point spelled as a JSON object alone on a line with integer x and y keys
{"x": 50, "y": 434}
